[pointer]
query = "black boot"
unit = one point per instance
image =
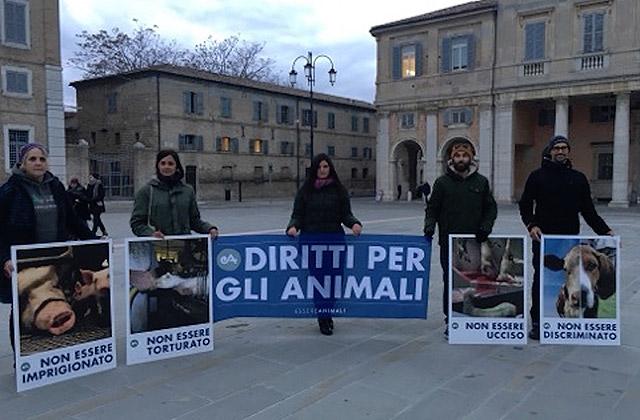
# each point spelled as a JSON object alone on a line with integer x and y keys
{"x": 326, "y": 325}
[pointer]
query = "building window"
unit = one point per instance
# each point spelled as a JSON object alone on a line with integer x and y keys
{"x": 458, "y": 116}
{"x": 331, "y": 121}
{"x": 354, "y": 123}
{"x": 306, "y": 118}
{"x": 406, "y": 120}
{"x": 226, "y": 144}
{"x": 534, "y": 41}
{"x": 546, "y": 117}
{"x": 286, "y": 148}
{"x": 18, "y": 137}
{"x": 193, "y": 102}
{"x": 112, "y": 102}
{"x": 365, "y": 125}
{"x": 458, "y": 53}
{"x": 15, "y": 23}
{"x": 259, "y": 146}
{"x": 407, "y": 61}
{"x": 16, "y": 82}
{"x": 117, "y": 138}
{"x": 365, "y": 173}
{"x": 258, "y": 173}
{"x": 190, "y": 142}
{"x": 605, "y": 166}
{"x": 225, "y": 107}
{"x": 602, "y": 114}
{"x": 367, "y": 153}
{"x": 593, "y": 32}
{"x": 94, "y": 138}
{"x": 354, "y": 173}
{"x": 260, "y": 111}
{"x": 354, "y": 152}
{"x": 331, "y": 151}
{"x": 284, "y": 114}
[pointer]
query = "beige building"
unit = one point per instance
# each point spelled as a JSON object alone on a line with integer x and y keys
{"x": 507, "y": 75}
{"x": 31, "y": 107}
{"x": 236, "y": 137}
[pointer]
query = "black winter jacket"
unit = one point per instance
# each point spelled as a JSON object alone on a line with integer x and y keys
{"x": 323, "y": 211}
{"x": 553, "y": 197}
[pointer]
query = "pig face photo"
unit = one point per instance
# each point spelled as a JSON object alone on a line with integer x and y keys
{"x": 488, "y": 277}
{"x": 168, "y": 283}
{"x": 63, "y": 295}
{"x": 580, "y": 278}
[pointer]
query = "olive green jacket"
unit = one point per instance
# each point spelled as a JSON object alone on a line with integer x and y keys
{"x": 173, "y": 210}
{"x": 460, "y": 205}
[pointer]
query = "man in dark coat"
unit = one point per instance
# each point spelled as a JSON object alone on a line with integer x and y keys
{"x": 461, "y": 202}
{"x": 554, "y": 196}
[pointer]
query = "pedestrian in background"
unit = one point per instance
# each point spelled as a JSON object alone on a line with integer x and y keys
{"x": 78, "y": 195}
{"x": 322, "y": 205}
{"x": 461, "y": 202}
{"x": 95, "y": 195}
{"x": 553, "y": 198}
{"x": 166, "y": 205}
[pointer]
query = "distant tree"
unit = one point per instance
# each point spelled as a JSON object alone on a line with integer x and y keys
{"x": 110, "y": 52}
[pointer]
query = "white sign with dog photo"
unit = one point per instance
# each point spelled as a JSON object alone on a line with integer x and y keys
{"x": 579, "y": 290}
{"x": 63, "y": 316}
{"x": 169, "y": 297}
{"x": 487, "y": 299}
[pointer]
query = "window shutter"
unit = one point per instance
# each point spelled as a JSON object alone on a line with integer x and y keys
{"x": 256, "y": 110}
{"x": 199, "y": 103}
{"x": 471, "y": 52}
{"x": 539, "y": 41}
{"x": 598, "y": 29}
{"x": 447, "y": 117}
{"x": 265, "y": 111}
{"x": 265, "y": 147}
{"x": 181, "y": 144}
{"x": 218, "y": 144}
{"x": 396, "y": 62}
{"x": 529, "y": 42}
{"x": 445, "y": 57}
{"x": 468, "y": 116}
{"x": 290, "y": 115}
{"x": 15, "y": 22}
{"x": 226, "y": 107}
{"x": 234, "y": 144}
{"x": 278, "y": 113}
{"x": 588, "y": 33}
{"x": 186, "y": 101}
{"x": 418, "y": 59}
{"x": 199, "y": 143}
{"x": 17, "y": 82}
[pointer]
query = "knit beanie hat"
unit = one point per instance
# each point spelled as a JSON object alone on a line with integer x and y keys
{"x": 28, "y": 147}
{"x": 463, "y": 146}
{"x": 558, "y": 139}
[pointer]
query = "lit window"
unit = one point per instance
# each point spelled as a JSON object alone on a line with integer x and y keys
{"x": 409, "y": 61}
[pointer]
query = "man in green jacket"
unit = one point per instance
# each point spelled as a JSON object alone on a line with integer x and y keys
{"x": 461, "y": 202}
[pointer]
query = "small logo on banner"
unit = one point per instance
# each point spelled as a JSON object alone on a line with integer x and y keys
{"x": 229, "y": 259}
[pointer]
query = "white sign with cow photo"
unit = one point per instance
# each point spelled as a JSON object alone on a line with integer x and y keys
{"x": 487, "y": 299}
{"x": 63, "y": 317}
{"x": 579, "y": 290}
{"x": 169, "y": 297}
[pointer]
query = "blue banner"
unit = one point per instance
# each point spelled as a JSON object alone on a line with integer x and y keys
{"x": 369, "y": 276}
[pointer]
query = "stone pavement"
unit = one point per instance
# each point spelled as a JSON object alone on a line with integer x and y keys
{"x": 369, "y": 369}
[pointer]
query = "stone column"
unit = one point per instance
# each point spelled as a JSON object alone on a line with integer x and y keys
{"x": 383, "y": 175}
{"x": 55, "y": 122}
{"x": 562, "y": 117}
{"x": 431, "y": 152}
{"x": 620, "y": 183}
{"x": 504, "y": 151}
{"x": 485, "y": 143}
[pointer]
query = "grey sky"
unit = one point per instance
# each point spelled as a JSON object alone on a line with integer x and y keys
{"x": 290, "y": 28}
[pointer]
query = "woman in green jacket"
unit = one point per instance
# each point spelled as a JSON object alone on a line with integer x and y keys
{"x": 322, "y": 205}
{"x": 167, "y": 206}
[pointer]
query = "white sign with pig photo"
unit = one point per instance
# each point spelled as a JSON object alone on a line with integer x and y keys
{"x": 169, "y": 296}
{"x": 62, "y": 311}
{"x": 487, "y": 299}
{"x": 579, "y": 290}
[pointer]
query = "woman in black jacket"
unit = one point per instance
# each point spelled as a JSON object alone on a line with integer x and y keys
{"x": 322, "y": 205}
{"x": 95, "y": 195}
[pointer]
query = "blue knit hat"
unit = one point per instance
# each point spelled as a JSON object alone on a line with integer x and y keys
{"x": 28, "y": 147}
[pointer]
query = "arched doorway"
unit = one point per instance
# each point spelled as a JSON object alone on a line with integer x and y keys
{"x": 408, "y": 171}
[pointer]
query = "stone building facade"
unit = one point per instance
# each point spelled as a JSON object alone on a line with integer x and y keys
{"x": 236, "y": 138}
{"x": 31, "y": 105}
{"x": 507, "y": 75}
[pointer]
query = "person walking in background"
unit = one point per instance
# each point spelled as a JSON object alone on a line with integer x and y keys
{"x": 95, "y": 195}
{"x": 78, "y": 195}
{"x": 461, "y": 202}
{"x": 166, "y": 205}
{"x": 34, "y": 208}
{"x": 424, "y": 190}
{"x": 553, "y": 198}
{"x": 322, "y": 205}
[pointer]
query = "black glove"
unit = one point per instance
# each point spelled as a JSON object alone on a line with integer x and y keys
{"x": 481, "y": 235}
{"x": 429, "y": 233}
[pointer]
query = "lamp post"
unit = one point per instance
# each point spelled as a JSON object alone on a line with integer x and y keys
{"x": 310, "y": 74}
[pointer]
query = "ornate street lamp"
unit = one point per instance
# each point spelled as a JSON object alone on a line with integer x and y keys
{"x": 310, "y": 74}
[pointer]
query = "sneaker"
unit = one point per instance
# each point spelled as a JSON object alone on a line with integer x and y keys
{"x": 534, "y": 333}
